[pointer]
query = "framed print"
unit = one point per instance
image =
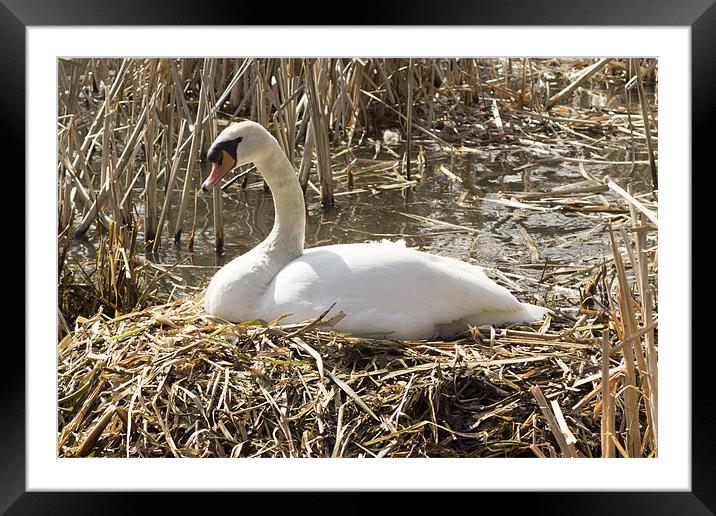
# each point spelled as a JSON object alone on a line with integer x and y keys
{"x": 265, "y": 242}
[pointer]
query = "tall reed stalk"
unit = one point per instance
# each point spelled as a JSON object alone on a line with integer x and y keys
{"x": 125, "y": 120}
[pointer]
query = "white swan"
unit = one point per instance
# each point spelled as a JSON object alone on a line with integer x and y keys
{"x": 382, "y": 288}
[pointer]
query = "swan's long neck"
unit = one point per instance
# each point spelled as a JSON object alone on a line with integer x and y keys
{"x": 236, "y": 288}
{"x": 287, "y": 236}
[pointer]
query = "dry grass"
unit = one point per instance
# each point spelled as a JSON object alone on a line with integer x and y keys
{"x": 117, "y": 281}
{"x": 171, "y": 381}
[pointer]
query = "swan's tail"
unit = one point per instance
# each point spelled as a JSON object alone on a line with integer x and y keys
{"x": 533, "y": 313}
{"x": 528, "y": 314}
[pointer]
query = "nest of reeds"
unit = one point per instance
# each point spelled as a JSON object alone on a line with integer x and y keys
{"x": 170, "y": 381}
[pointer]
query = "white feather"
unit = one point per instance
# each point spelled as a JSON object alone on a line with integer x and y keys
{"x": 383, "y": 288}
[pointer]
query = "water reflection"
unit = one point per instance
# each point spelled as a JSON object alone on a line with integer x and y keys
{"x": 440, "y": 214}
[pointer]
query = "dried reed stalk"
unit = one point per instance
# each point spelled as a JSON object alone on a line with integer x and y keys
{"x": 647, "y": 129}
{"x": 316, "y": 75}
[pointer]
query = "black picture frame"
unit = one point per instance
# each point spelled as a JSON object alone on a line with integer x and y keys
{"x": 699, "y": 15}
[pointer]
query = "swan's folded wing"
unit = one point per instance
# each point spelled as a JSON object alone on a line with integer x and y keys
{"x": 378, "y": 285}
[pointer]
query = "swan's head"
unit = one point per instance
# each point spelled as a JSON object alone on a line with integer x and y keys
{"x": 238, "y": 144}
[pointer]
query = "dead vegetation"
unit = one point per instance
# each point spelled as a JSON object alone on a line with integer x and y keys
{"x": 140, "y": 379}
{"x": 170, "y": 381}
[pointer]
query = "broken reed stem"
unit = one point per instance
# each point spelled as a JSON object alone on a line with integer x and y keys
{"x": 586, "y": 74}
{"x": 409, "y": 118}
{"x": 218, "y": 218}
{"x": 150, "y": 184}
{"x": 643, "y": 102}
{"x": 193, "y": 154}
{"x": 315, "y": 77}
{"x": 607, "y": 421}
{"x": 633, "y": 202}
{"x": 521, "y": 100}
{"x": 216, "y": 196}
{"x": 95, "y": 432}
{"x": 645, "y": 295}
{"x": 307, "y": 157}
{"x": 631, "y": 393}
{"x": 176, "y": 161}
{"x": 564, "y": 438}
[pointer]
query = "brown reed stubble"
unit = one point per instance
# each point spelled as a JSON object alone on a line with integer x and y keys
{"x": 351, "y": 95}
{"x": 126, "y": 110}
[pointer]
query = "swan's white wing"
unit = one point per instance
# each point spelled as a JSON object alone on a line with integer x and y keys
{"x": 388, "y": 288}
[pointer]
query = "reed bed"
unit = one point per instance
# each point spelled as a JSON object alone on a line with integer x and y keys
{"x": 170, "y": 381}
{"x": 137, "y": 378}
{"x": 128, "y": 128}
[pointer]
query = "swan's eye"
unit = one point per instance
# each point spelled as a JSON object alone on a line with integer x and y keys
{"x": 214, "y": 155}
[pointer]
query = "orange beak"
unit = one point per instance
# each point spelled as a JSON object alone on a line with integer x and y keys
{"x": 218, "y": 171}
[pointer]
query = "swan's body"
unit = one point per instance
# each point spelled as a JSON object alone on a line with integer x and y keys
{"x": 382, "y": 288}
